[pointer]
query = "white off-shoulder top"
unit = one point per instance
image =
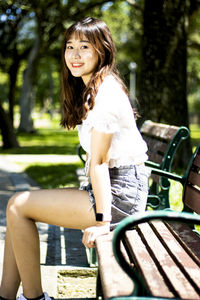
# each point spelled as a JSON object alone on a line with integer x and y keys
{"x": 112, "y": 113}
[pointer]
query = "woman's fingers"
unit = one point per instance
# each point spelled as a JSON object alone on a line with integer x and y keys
{"x": 90, "y": 234}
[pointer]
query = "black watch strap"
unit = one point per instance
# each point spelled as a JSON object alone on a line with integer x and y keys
{"x": 101, "y": 217}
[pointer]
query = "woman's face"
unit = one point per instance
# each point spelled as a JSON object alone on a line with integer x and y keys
{"x": 81, "y": 57}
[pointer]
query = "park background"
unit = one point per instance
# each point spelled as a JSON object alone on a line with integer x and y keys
{"x": 157, "y": 45}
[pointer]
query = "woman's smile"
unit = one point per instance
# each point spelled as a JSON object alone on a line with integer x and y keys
{"x": 77, "y": 65}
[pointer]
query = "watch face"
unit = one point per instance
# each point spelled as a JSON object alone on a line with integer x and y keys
{"x": 99, "y": 217}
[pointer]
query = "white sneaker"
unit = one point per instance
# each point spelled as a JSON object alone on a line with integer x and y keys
{"x": 46, "y": 297}
{"x": 21, "y": 297}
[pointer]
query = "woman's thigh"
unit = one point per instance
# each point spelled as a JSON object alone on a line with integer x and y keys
{"x": 69, "y": 208}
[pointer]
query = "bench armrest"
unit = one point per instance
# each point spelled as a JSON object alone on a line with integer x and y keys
{"x": 130, "y": 222}
{"x": 168, "y": 175}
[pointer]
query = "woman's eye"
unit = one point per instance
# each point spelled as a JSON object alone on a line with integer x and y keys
{"x": 69, "y": 47}
{"x": 84, "y": 47}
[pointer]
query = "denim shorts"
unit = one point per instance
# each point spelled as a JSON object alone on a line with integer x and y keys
{"x": 129, "y": 188}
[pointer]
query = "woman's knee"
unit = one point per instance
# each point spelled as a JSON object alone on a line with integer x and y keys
{"x": 16, "y": 204}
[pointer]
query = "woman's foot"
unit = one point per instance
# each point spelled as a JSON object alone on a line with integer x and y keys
{"x": 44, "y": 296}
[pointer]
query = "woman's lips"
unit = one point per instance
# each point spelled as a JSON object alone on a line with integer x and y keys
{"x": 77, "y": 65}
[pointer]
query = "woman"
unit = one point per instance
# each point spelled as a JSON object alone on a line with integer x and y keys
{"x": 95, "y": 100}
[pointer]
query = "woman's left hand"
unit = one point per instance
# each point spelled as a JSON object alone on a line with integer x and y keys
{"x": 91, "y": 233}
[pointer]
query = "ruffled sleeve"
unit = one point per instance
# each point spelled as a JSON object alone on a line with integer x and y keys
{"x": 105, "y": 120}
{"x": 107, "y": 113}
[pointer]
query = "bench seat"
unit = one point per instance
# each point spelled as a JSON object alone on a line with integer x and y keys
{"x": 162, "y": 249}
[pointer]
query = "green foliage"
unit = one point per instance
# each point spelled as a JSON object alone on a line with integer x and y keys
{"x": 125, "y": 23}
{"x": 194, "y": 61}
{"x": 195, "y": 135}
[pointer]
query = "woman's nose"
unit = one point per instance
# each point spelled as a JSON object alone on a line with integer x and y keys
{"x": 76, "y": 53}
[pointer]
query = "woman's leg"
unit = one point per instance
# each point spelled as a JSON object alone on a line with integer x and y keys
{"x": 10, "y": 275}
{"x": 64, "y": 207}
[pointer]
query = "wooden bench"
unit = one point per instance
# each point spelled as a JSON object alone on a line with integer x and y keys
{"x": 155, "y": 254}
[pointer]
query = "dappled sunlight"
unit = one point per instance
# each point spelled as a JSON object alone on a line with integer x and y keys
{"x": 175, "y": 195}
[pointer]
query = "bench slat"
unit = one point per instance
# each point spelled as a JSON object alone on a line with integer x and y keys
{"x": 144, "y": 262}
{"x": 180, "y": 284}
{"x": 156, "y": 146}
{"x": 180, "y": 256}
{"x": 159, "y": 130}
{"x": 156, "y": 149}
{"x": 197, "y": 160}
{"x": 172, "y": 275}
{"x": 194, "y": 178}
{"x": 192, "y": 198}
{"x": 187, "y": 237}
{"x": 117, "y": 284}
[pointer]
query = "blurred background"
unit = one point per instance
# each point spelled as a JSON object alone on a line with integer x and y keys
{"x": 158, "y": 56}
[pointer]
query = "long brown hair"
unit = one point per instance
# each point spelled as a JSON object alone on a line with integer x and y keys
{"x": 78, "y": 99}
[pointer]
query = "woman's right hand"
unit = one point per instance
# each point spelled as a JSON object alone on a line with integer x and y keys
{"x": 91, "y": 233}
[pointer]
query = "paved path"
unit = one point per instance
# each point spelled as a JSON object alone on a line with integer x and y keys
{"x": 54, "y": 253}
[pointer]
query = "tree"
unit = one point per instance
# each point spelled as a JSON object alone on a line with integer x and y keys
{"x": 162, "y": 86}
{"x": 193, "y": 45}
{"x": 164, "y": 59}
{"x": 8, "y": 134}
{"x": 10, "y": 54}
{"x": 26, "y": 97}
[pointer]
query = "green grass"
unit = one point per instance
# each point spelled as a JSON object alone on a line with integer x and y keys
{"x": 54, "y": 176}
{"x": 46, "y": 141}
{"x": 50, "y": 139}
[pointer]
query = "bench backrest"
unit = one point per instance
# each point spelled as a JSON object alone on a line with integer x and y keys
{"x": 163, "y": 141}
{"x": 191, "y": 192}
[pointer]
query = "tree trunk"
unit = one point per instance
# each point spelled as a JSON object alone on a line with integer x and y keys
{"x": 8, "y": 134}
{"x": 162, "y": 86}
{"x": 12, "y": 86}
{"x": 26, "y": 97}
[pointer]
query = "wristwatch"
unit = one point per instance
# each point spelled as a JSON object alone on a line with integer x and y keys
{"x": 103, "y": 217}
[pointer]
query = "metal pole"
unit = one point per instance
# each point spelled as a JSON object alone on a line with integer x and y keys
{"x": 132, "y": 68}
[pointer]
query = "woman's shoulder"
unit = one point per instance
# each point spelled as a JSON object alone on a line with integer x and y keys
{"x": 110, "y": 89}
{"x": 110, "y": 82}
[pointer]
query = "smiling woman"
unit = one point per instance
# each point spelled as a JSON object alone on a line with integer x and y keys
{"x": 94, "y": 99}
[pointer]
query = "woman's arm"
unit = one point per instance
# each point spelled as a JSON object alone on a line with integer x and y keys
{"x": 99, "y": 173}
{"x": 100, "y": 146}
